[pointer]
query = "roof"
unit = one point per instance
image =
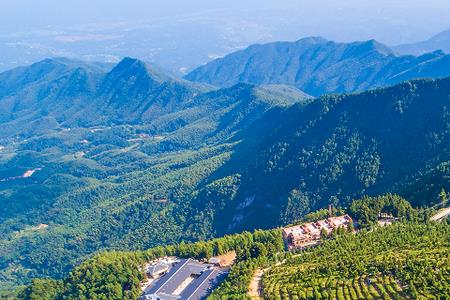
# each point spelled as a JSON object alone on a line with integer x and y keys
{"x": 314, "y": 228}
{"x": 205, "y": 279}
{"x": 157, "y": 268}
{"x": 160, "y": 285}
{"x": 214, "y": 260}
{"x": 203, "y": 286}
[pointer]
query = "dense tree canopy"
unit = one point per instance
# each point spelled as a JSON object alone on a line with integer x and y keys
{"x": 167, "y": 161}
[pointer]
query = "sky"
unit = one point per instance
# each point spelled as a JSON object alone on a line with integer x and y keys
{"x": 182, "y": 34}
{"x": 339, "y": 19}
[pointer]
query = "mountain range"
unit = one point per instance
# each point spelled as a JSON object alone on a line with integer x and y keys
{"x": 61, "y": 93}
{"x": 125, "y": 135}
{"x": 318, "y": 66}
{"x": 130, "y": 157}
{"x": 440, "y": 41}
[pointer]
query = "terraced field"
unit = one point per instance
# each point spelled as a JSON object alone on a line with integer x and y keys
{"x": 361, "y": 287}
{"x": 408, "y": 262}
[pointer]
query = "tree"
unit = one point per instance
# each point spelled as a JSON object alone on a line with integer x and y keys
{"x": 351, "y": 227}
{"x": 43, "y": 289}
{"x": 442, "y": 197}
{"x": 258, "y": 249}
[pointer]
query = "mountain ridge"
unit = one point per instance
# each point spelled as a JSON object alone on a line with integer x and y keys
{"x": 318, "y": 66}
{"x": 440, "y": 41}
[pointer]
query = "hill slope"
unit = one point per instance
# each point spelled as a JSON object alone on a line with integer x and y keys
{"x": 135, "y": 141}
{"x": 35, "y": 98}
{"x": 220, "y": 161}
{"x": 397, "y": 262}
{"x": 401, "y": 261}
{"x": 335, "y": 149}
{"x": 58, "y": 93}
{"x": 318, "y": 66}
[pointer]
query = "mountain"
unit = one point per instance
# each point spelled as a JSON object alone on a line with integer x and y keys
{"x": 440, "y": 41}
{"x": 61, "y": 93}
{"x": 337, "y": 148}
{"x": 217, "y": 115}
{"x": 136, "y": 92}
{"x": 71, "y": 93}
{"x": 99, "y": 147}
{"x": 136, "y": 158}
{"x": 318, "y": 66}
{"x": 37, "y": 97}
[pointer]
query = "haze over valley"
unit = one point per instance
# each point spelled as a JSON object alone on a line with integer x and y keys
{"x": 180, "y": 36}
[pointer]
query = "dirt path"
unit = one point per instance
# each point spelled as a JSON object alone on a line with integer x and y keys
{"x": 441, "y": 214}
{"x": 255, "y": 288}
{"x": 227, "y": 259}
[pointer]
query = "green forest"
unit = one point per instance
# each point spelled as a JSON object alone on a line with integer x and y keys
{"x": 196, "y": 162}
{"x": 116, "y": 275}
{"x": 409, "y": 259}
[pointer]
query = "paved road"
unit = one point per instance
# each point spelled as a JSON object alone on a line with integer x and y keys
{"x": 441, "y": 214}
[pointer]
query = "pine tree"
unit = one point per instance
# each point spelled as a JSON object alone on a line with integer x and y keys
{"x": 351, "y": 227}
{"x": 442, "y": 197}
{"x": 323, "y": 233}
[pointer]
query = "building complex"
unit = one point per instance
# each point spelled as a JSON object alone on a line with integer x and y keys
{"x": 308, "y": 234}
{"x": 182, "y": 279}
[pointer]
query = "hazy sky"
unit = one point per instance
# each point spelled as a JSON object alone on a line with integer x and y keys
{"x": 339, "y": 19}
{"x": 180, "y": 35}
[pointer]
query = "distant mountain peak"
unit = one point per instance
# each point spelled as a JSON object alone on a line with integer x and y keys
{"x": 375, "y": 45}
{"x": 127, "y": 62}
{"x": 313, "y": 40}
{"x": 440, "y": 41}
{"x": 49, "y": 64}
{"x": 50, "y": 61}
{"x": 136, "y": 67}
{"x": 69, "y": 63}
{"x": 443, "y": 36}
{"x": 366, "y": 46}
{"x": 372, "y": 46}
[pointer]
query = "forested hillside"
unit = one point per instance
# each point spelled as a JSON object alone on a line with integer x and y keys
{"x": 338, "y": 148}
{"x": 176, "y": 161}
{"x": 112, "y": 164}
{"x": 319, "y": 66}
{"x": 62, "y": 93}
{"x": 409, "y": 259}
